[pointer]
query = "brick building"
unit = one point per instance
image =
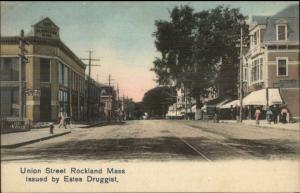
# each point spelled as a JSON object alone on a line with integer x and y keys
{"x": 273, "y": 58}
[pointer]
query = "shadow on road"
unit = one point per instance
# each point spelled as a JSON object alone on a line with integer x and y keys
{"x": 162, "y": 148}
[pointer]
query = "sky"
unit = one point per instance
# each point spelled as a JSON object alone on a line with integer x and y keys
{"x": 119, "y": 33}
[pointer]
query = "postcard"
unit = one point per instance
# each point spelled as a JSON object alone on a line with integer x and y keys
{"x": 150, "y": 96}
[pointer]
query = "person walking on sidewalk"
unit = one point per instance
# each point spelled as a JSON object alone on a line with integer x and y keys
{"x": 275, "y": 111}
{"x": 284, "y": 115}
{"x": 62, "y": 120}
{"x": 257, "y": 115}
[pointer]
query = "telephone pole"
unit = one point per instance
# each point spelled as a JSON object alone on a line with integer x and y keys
{"x": 241, "y": 77}
{"x": 90, "y": 59}
{"x": 22, "y": 60}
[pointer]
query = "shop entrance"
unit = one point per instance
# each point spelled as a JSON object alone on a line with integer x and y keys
{"x": 45, "y": 104}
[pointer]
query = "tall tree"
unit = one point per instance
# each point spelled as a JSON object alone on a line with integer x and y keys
{"x": 198, "y": 50}
{"x": 156, "y": 101}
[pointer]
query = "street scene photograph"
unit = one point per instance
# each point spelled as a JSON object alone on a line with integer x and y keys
{"x": 175, "y": 96}
{"x": 149, "y": 81}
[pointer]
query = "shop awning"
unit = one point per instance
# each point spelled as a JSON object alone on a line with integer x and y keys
{"x": 260, "y": 97}
{"x": 194, "y": 108}
{"x": 219, "y": 105}
{"x": 233, "y": 104}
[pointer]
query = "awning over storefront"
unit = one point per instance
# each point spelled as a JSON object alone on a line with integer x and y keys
{"x": 260, "y": 97}
{"x": 194, "y": 109}
{"x": 215, "y": 103}
{"x": 219, "y": 105}
{"x": 233, "y": 104}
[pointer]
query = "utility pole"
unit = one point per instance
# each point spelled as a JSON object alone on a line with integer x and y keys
{"x": 185, "y": 99}
{"x": 109, "y": 80}
{"x": 118, "y": 91}
{"x": 241, "y": 77}
{"x": 90, "y": 59}
{"x": 22, "y": 60}
{"x": 110, "y": 97}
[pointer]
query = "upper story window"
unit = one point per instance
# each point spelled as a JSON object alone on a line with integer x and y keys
{"x": 66, "y": 76}
{"x": 9, "y": 69}
{"x": 245, "y": 74}
{"x": 255, "y": 37}
{"x": 60, "y": 73}
{"x": 282, "y": 66}
{"x": 44, "y": 70}
{"x": 281, "y": 32}
{"x": 257, "y": 70}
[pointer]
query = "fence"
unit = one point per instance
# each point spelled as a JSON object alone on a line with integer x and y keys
{"x": 10, "y": 125}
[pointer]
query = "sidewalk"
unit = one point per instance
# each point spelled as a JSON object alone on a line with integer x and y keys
{"x": 17, "y": 139}
{"x": 264, "y": 123}
{"x": 13, "y": 140}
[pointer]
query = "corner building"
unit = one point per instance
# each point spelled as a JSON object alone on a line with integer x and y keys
{"x": 53, "y": 71}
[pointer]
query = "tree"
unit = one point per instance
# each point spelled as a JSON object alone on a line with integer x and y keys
{"x": 174, "y": 41}
{"x": 156, "y": 101}
{"x": 198, "y": 50}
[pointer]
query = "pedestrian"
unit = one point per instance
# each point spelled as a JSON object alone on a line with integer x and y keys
{"x": 217, "y": 115}
{"x": 51, "y": 128}
{"x": 62, "y": 120}
{"x": 257, "y": 115}
{"x": 275, "y": 111}
{"x": 269, "y": 115}
{"x": 231, "y": 112}
{"x": 284, "y": 115}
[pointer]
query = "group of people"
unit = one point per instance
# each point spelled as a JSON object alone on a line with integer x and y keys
{"x": 273, "y": 114}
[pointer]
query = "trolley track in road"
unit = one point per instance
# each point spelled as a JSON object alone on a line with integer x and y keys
{"x": 232, "y": 148}
{"x": 191, "y": 147}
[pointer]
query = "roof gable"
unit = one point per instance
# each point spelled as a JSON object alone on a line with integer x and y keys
{"x": 288, "y": 16}
{"x": 46, "y": 28}
{"x": 46, "y": 23}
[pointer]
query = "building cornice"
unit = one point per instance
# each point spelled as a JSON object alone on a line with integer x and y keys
{"x": 8, "y": 40}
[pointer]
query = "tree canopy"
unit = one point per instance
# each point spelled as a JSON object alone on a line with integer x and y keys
{"x": 156, "y": 101}
{"x": 199, "y": 49}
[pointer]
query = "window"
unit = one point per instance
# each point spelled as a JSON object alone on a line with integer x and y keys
{"x": 65, "y": 78}
{"x": 260, "y": 69}
{"x": 245, "y": 74}
{"x": 44, "y": 70}
{"x": 254, "y": 70}
{"x": 281, "y": 32}
{"x": 282, "y": 67}
{"x": 9, "y": 68}
{"x": 257, "y": 70}
{"x": 63, "y": 101}
{"x": 10, "y": 102}
{"x": 60, "y": 73}
{"x": 255, "y": 38}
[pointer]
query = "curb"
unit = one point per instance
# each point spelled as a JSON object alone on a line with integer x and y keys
{"x": 264, "y": 126}
{"x": 33, "y": 141}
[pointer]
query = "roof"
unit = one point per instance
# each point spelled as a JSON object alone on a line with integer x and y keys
{"x": 289, "y": 16}
{"x": 234, "y": 103}
{"x": 46, "y": 20}
{"x": 292, "y": 10}
{"x": 38, "y": 40}
{"x": 259, "y": 20}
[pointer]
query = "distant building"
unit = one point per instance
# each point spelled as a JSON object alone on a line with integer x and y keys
{"x": 108, "y": 104}
{"x": 273, "y": 58}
